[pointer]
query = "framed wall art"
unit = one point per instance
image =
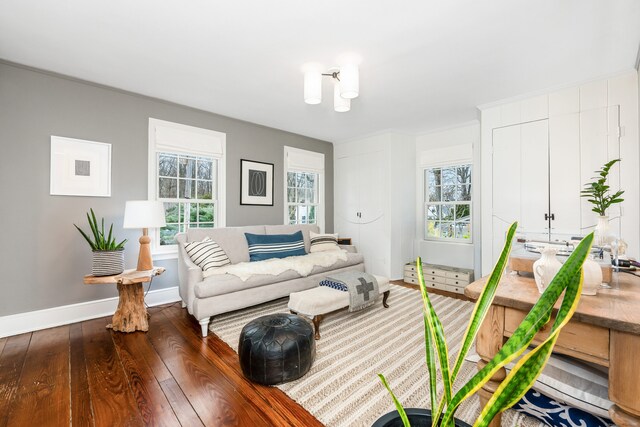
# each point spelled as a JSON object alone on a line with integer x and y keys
{"x": 80, "y": 168}
{"x": 256, "y": 183}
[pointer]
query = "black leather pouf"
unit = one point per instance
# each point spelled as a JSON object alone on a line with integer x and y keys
{"x": 277, "y": 348}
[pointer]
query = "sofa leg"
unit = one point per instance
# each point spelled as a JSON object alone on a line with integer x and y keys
{"x": 385, "y": 295}
{"x": 204, "y": 325}
{"x": 184, "y": 304}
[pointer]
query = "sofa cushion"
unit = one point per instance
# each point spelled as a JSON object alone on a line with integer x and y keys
{"x": 206, "y": 254}
{"x": 323, "y": 242}
{"x": 230, "y": 239}
{"x": 263, "y": 247}
{"x": 288, "y": 229}
{"x": 221, "y": 284}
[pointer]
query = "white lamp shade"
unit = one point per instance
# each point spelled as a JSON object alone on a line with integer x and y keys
{"x": 313, "y": 87}
{"x": 144, "y": 214}
{"x": 349, "y": 81}
{"x": 340, "y": 104}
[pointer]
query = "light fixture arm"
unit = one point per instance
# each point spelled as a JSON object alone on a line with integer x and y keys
{"x": 334, "y": 75}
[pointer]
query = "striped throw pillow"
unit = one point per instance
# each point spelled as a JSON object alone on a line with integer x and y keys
{"x": 323, "y": 242}
{"x": 266, "y": 246}
{"x": 207, "y": 254}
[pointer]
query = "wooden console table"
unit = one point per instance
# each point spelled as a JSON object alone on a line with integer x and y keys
{"x": 604, "y": 330}
{"x": 131, "y": 314}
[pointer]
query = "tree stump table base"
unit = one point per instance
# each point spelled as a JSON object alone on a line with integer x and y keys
{"x": 131, "y": 314}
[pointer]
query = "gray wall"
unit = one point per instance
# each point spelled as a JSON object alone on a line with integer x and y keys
{"x": 42, "y": 256}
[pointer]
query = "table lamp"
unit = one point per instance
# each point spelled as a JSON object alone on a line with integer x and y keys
{"x": 144, "y": 214}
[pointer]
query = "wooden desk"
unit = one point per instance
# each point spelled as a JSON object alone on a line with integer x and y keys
{"x": 605, "y": 329}
{"x": 131, "y": 314}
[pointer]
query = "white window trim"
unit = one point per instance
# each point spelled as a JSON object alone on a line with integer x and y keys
{"x": 319, "y": 160}
{"x": 425, "y": 202}
{"x": 217, "y": 151}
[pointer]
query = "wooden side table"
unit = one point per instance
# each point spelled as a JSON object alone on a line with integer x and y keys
{"x": 131, "y": 314}
{"x": 605, "y": 330}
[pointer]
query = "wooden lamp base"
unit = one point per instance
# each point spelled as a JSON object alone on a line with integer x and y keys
{"x": 145, "y": 262}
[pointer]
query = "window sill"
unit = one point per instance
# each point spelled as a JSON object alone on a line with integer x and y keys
{"x": 161, "y": 256}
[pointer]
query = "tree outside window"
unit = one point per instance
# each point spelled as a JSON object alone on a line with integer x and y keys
{"x": 302, "y": 197}
{"x": 448, "y": 203}
{"x": 186, "y": 185}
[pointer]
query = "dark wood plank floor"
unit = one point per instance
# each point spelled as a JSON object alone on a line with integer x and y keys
{"x": 86, "y": 375}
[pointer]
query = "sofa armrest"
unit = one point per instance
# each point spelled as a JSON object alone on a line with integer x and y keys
{"x": 189, "y": 274}
{"x": 349, "y": 248}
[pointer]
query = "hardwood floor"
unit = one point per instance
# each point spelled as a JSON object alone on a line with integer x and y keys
{"x": 86, "y": 375}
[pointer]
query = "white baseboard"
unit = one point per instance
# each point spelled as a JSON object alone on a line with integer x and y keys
{"x": 48, "y": 318}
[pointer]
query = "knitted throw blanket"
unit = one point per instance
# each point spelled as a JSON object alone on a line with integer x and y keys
{"x": 362, "y": 287}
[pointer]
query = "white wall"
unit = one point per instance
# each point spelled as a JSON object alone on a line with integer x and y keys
{"x": 440, "y": 148}
{"x": 619, "y": 90}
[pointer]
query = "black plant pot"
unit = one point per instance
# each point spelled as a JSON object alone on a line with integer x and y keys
{"x": 418, "y": 417}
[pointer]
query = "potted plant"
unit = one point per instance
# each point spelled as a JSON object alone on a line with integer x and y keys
{"x": 566, "y": 284}
{"x": 108, "y": 256}
{"x": 598, "y": 194}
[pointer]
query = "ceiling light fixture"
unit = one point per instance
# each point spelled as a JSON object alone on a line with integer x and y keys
{"x": 346, "y": 82}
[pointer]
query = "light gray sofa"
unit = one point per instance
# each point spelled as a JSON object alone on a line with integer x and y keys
{"x": 222, "y": 293}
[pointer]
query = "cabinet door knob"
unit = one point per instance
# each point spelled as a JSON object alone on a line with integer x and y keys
{"x": 551, "y": 217}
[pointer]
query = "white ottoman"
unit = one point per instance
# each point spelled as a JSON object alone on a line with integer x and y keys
{"x": 317, "y": 302}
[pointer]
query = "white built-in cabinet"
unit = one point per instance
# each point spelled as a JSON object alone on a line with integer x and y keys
{"x": 540, "y": 167}
{"x": 374, "y": 200}
{"x": 538, "y": 153}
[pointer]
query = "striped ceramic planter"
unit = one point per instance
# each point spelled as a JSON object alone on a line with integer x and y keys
{"x": 107, "y": 263}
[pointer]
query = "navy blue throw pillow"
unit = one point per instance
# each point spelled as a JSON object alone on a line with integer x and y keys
{"x": 266, "y": 246}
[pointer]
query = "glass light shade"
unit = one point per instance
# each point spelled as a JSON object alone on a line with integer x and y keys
{"x": 349, "y": 81}
{"x": 340, "y": 104}
{"x": 144, "y": 214}
{"x": 313, "y": 87}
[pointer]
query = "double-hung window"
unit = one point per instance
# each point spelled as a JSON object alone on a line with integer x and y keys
{"x": 186, "y": 173}
{"x": 447, "y": 203}
{"x": 304, "y": 187}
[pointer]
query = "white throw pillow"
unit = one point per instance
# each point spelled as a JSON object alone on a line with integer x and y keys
{"x": 323, "y": 242}
{"x": 207, "y": 254}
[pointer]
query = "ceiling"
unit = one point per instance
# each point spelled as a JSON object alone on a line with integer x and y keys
{"x": 425, "y": 64}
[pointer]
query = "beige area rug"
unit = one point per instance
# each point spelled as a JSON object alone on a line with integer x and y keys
{"x": 342, "y": 388}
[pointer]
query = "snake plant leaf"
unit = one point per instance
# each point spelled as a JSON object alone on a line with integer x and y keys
{"x": 92, "y": 225}
{"x": 431, "y": 366}
{"x": 527, "y": 370}
{"x": 537, "y": 317}
{"x": 399, "y": 408}
{"x": 437, "y": 336}
{"x": 484, "y": 301}
{"x": 110, "y": 244}
{"x": 93, "y": 247}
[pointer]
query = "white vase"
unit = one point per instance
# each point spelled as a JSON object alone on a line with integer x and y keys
{"x": 592, "y": 277}
{"x": 545, "y": 269}
{"x": 602, "y": 235}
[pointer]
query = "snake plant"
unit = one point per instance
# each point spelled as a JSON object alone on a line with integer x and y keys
{"x": 566, "y": 284}
{"x": 100, "y": 242}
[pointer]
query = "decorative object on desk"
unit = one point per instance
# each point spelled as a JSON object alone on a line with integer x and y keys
{"x": 108, "y": 256}
{"x": 545, "y": 269}
{"x": 256, "y": 183}
{"x": 566, "y": 284}
{"x": 80, "y": 168}
{"x": 592, "y": 277}
{"x": 144, "y": 214}
{"x": 598, "y": 194}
